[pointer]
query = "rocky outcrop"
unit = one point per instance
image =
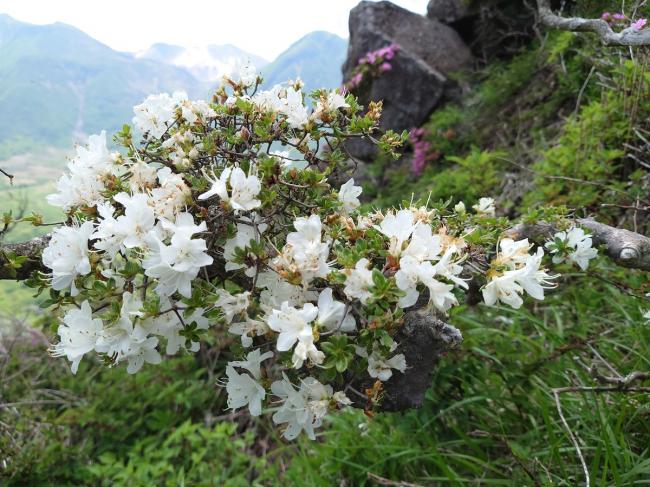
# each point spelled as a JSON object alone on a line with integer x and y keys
{"x": 419, "y": 76}
{"x": 448, "y": 11}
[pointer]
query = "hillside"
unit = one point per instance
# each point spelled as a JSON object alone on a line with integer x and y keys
{"x": 59, "y": 83}
{"x": 316, "y": 59}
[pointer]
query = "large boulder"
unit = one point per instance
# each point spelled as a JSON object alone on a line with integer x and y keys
{"x": 448, "y": 11}
{"x": 419, "y": 79}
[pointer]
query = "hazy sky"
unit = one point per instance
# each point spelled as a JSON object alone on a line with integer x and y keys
{"x": 263, "y": 27}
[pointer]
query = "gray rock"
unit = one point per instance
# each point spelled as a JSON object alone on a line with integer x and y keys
{"x": 448, "y": 11}
{"x": 418, "y": 80}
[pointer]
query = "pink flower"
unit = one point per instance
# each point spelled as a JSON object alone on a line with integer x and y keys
{"x": 385, "y": 67}
{"x": 619, "y": 16}
{"x": 606, "y": 16}
{"x": 639, "y": 24}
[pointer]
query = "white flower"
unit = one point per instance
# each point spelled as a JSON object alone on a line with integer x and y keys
{"x": 460, "y": 208}
{"x": 246, "y": 232}
{"x": 278, "y": 291}
{"x": 287, "y": 162}
{"x": 359, "y": 281}
{"x": 349, "y": 196}
{"x": 156, "y": 113}
{"x": 329, "y": 105}
{"x": 293, "y": 325}
{"x": 78, "y": 334}
{"x": 243, "y": 391}
{"x": 504, "y": 289}
{"x": 176, "y": 265}
{"x": 253, "y": 362}
{"x": 67, "y": 255}
{"x": 424, "y": 245}
{"x": 304, "y": 251}
{"x": 269, "y": 100}
{"x": 527, "y": 276}
{"x": 248, "y": 329}
{"x": 194, "y": 111}
{"x": 578, "y": 247}
{"x": 129, "y": 340}
{"x": 341, "y": 398}
{"x": 398, "y": 228}
{"x": 381, "y": 368}
{"x": 232, "y": 305}
{"x": 247, "y": 74}
{"x": 138, "y": 219}
{"x": 143, "y": 176}
{"x": 411, "y": 273}
{"x": 332, "y": 314}
{"x": 244, "y": 189}
{"x": 171, "y": 195}
{"x": 485, "y": 207}
{"x": 303, "y": 409}
{"x": 293, "y": 107}
{"x": 85, "y": 183}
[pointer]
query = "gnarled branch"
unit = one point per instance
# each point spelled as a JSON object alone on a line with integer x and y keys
{"x": 627, "y": 37}
{"x": 626, "y": 248}
{"x": 32, "y": 250}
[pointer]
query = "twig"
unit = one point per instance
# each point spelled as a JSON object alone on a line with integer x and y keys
{"x": 556, "y": 395}
{"x": 395, "y": 483}
{"x": 627, "y": 37}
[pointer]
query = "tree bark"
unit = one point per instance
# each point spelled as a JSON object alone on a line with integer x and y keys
{"x": 627, "y": 37}
{"x": 626, "y": 248}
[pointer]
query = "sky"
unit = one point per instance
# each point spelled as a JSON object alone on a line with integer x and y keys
{"x": 262, "y": 27}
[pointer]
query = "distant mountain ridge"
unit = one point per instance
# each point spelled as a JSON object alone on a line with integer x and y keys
{"x": 207, "y": 63}
{"x": 58, "y": 84}
{"x": 316, "y": 58}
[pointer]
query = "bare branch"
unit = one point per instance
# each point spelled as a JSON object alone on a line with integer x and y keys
{"x": 627, "y": 37}
{"x": 32, "y": 250}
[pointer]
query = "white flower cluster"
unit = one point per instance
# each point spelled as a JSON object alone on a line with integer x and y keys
{"x": 514, "y": 271}
{"x": 573, "y": 245}
{"x": 207, "y": 223}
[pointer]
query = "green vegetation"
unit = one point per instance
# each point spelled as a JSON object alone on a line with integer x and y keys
{"x": 566, "y": 109}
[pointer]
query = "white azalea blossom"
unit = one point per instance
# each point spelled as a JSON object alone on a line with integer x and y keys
{"x": 359, "y": 281}
{"x": 398, "y": 227}
{"x": 332, "y": 314}
{"x": 305, "y": 252}
{"x": 156, "y": 113}
{"x": 579, "y": 248}
{"x": 85, "y": 183}
{"x": 349, "y": 196}
{"x": 78, "y": 335}
{"x": 244, "y": 189}
{"x": 523, "y": 274}
{"x": 232, "y": 305}
{"x": 302, "y": 409}
{"x": 67, "y": 255}
{"x": 485, "y": 206}
{"x": 243, "y": 390}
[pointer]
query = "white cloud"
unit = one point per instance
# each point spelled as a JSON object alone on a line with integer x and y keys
{"x": 263, "y": 27}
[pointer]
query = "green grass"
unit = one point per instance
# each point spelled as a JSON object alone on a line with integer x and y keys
{"x": 490, "y": 414}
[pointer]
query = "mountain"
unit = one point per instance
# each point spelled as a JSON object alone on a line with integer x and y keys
{"x": 207, "y": 63}
{"x": 316, "y": 59}
{"x": 58, "y": 84}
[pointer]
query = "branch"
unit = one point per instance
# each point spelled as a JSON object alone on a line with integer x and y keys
{"x": 32, "y": 250}
{"x": 626, "y": 248}
{"x": 424, "y": 340}
{"x": 627, "y": 37}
